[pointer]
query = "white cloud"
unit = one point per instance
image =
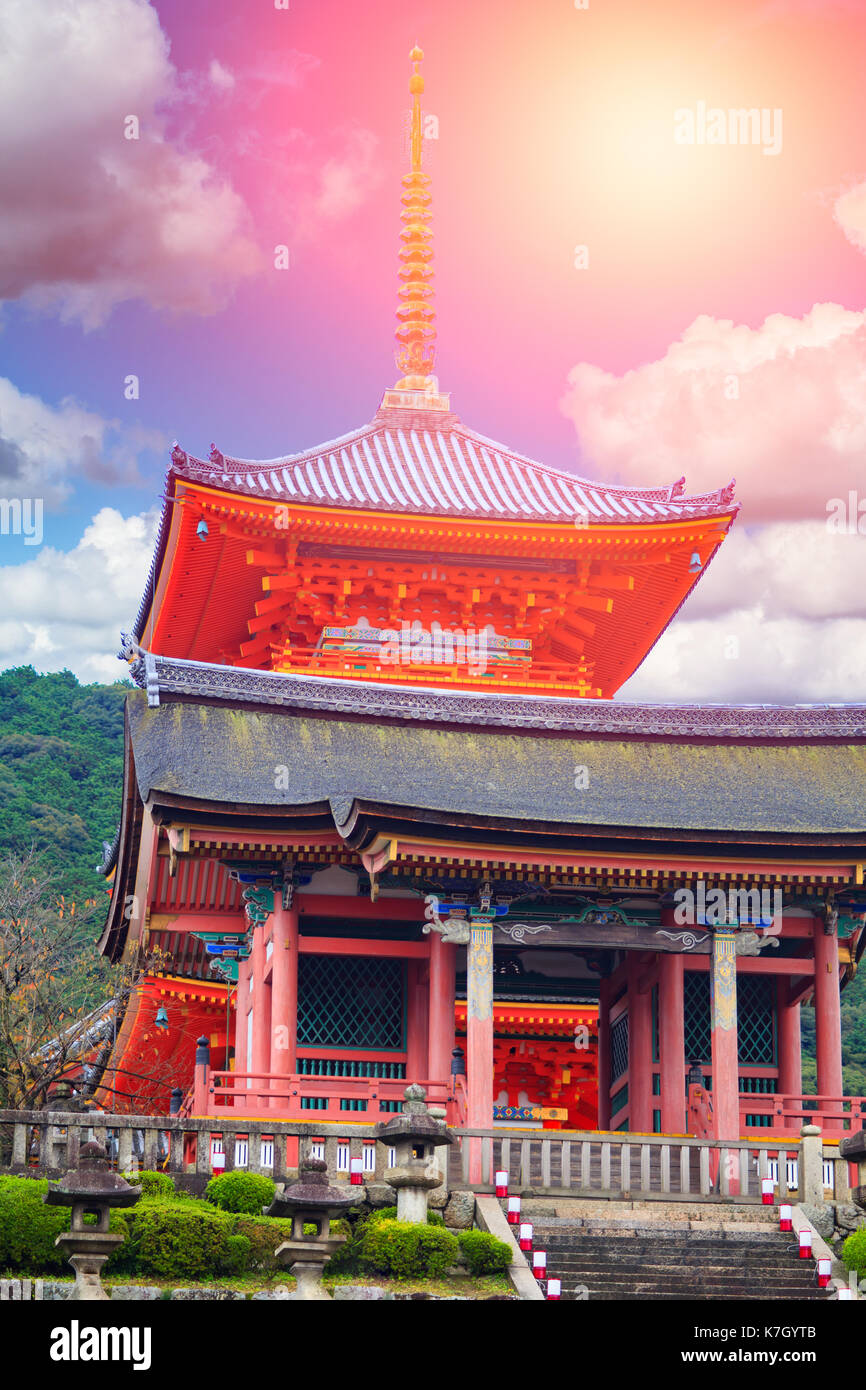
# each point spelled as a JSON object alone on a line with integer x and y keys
{"x": 780, "y": 407}
{"x": 45, "y": 449}
{"x": 91, "y": 218}
{"x": 778, "y": 617}
{"x": 220, "y": 77}
{"x": 68, "y": 609}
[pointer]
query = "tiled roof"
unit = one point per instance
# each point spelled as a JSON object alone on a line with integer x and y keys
{"x": 170, "y": 678}
{"x": 430, "y": 463}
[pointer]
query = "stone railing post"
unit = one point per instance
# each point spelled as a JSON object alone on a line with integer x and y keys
{"x": 811, "y": 1165}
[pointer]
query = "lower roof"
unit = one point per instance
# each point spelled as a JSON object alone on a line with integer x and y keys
{"x": 271, "y": 758}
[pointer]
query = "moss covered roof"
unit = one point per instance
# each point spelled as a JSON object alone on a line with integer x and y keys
{"x": 273, "y": 759}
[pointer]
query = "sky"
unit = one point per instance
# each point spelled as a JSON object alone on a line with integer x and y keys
{"x": 630, "y": 283}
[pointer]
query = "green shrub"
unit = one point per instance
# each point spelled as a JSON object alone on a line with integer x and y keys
{"x": 264, "y": 1234}
{"x": 407, "y": 1249}
{"x": 28, "y": 1227}
{"x": 484, "y": 1253}
{"x": 240, "y": 1192}
{"x": 854, "y": 1252}
{"x": 434, "y": 1218}
{"x": 152, "y": 1184}
{"x": 188, "y": 1239}
{"x": 237, "y": 1256}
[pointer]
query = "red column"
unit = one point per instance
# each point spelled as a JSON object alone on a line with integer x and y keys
{"x": 440, "y": 1028}
{"x": 639, "y": 1047}
{"x": 479, "y": 1039}
{"x": 828, "y": 1021}
{"x": 242, "y": 1007}
{"x": 723, "y": 1019}
{"x": 604, "y": 1054}
{"x": 790, "y": 1061}
{"x": 416, "y": 1039}
{"x": 672, "y": 1045}
{"x": 260, "y": 1060}
{"x": 284, "y": 995}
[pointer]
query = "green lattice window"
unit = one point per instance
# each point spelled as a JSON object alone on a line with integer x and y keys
{"x": 351, "y": 1002}
{"x": 619, "y": 1047}
{"x": 756, "y": 1018}
{"x": 696, "y": 1007}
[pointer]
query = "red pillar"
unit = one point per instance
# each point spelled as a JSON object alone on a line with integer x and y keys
{"x": 260, "y": 1060}
{"x": 790, "y": 1060}
{"x": 440, "y": 1029}
{"x": 672, "y": 1045}
{"x": 604, "y": 1054}
{"x": 639, "y": 1047}
{"x": 416, "y": 1040}
{"x": 242, "y": 1008}
{"x": 828, "y": 1021}
{"x": 723, "y": 1019}
{"x": 479, "y": 1039}
{"x": 284, "y": 996}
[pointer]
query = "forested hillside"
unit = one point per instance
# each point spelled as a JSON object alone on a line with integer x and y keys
{"x": 61, "y": 766}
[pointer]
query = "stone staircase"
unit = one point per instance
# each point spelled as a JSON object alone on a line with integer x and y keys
{"x": 659, "y": 1255}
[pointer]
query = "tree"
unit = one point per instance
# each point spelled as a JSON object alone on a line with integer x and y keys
{"x": 49, "y": 980}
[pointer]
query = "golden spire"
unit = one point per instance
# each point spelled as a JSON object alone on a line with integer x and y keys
{"x": 417, "y": 332}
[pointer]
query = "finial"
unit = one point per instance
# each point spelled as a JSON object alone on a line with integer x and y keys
{"x": 417, "y": 333}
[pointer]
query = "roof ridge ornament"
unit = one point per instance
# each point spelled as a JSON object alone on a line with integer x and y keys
{"x": 417, "y": 388}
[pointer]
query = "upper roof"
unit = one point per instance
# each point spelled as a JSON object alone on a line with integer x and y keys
{"x": 428, "y": 462}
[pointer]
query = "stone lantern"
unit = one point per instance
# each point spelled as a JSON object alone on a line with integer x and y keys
{"x": 90, "y": 1190}
{"x": 310, "y": 1199}
{"x": 415, "y": 1136}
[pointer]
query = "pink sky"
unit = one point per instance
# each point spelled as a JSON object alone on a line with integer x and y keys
{"x": 718, "y": 329}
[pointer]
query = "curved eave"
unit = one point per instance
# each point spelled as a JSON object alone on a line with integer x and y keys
{"x": 112, "y": 941}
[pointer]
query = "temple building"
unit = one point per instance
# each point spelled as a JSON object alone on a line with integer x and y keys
{"x": 384, "y": 820}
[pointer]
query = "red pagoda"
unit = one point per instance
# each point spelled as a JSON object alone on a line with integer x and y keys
{"x": 384, "y": 822}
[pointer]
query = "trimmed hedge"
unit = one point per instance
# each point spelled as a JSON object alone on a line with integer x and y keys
{"x": 408, "y": 1250}
{"x": 28, "y": 1227}
{"x": 240, "y": 1192}
{"x": 151, "y": 1184}
{"x": 434, "y": 1218}
{"x": 854, "y": 1252}
{"x": 484, "y": 1253}
{"x": 186, "y": 1238}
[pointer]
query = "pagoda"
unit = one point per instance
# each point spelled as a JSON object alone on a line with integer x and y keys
{"x": 383, "y": 821}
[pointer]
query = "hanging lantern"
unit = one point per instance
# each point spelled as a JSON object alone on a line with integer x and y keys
{"x": 356, "y": 1172}
{"x": 501, "y": 1183}
{"x": 525, "y": 1237}
{"x": 513, "y": 1213}
{"x": 554, "y": 1289}
{"x": 824, "y": 1268}
{"x": 805, "y": 1239}
{"x": 161, "y": 1019}
{"x": 202, "y": 531}
{"x": 539, "y": 1264}
{"x": 767, "y": 1188}
{"x": 695, "y": 563}
{"x": 786, "y": 1217}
